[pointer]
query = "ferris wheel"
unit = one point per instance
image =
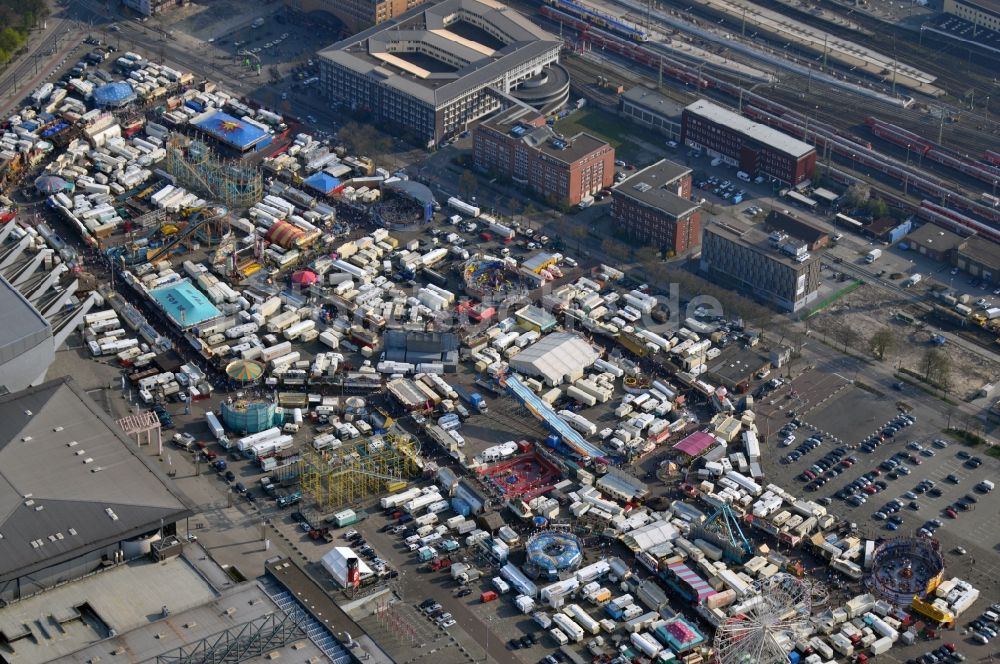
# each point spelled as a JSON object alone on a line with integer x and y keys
{"x": 778, "y": 610}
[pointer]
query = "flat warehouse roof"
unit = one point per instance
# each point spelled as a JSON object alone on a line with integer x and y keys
{"x": 70, "y": 481}
{"x": 759, "y": 132}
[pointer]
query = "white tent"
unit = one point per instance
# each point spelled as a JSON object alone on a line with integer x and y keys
{"x": 335, "y": 562}
{"x": 560, "y": 357}
{"x": 651, "y": 535}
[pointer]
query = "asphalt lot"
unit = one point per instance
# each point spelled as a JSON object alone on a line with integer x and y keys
{"x": 851, "y": 414}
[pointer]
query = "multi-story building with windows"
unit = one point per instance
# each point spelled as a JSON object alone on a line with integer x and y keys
{"x": 747, "y": 145}
{"x": 437, "y": 68}
{"x": 517, "y": 144}
{"x": 655, "y": 206}
{"x": 984, "y": 13}
{"x": 651, "y": 109}
{"x": 152, "y": 7}
{"x": 356, "y": 15}
{"x": 763, "y": 266}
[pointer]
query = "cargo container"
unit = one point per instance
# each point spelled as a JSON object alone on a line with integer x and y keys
{"x": 215, "y": 426}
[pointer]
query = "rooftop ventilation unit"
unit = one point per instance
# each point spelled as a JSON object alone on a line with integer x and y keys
{"x": 643, "y": 187}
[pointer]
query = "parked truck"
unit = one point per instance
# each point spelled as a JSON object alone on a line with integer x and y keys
{"x": 873, "y": 255}
{"x": 474, "y": 399}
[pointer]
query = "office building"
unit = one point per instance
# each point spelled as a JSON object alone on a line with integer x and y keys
{"x": 749, "y": 146}
{"x": 983, "y": 13}
{"x": 770, "y": 268}
{"x": 517, "y": 144}
{"x": 655, "y": 207}
{"x": 434, "y": 70}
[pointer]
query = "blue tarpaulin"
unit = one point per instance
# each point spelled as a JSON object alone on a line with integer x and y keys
{"x": 184, "y": 304}
{"x": 322, "y": 182}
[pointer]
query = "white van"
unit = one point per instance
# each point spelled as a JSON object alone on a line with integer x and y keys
{"x": 500, "y": 585}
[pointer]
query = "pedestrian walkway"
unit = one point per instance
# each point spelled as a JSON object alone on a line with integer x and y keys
{"x": 316, "y": 632}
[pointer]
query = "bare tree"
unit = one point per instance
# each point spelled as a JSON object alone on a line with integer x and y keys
{"x": 883, "y": 343}
{"x": 468, "y": 184}
{"x": 647, "y": 255}
{"x": 845, "y": 334}
{"x": 936, "y": 368}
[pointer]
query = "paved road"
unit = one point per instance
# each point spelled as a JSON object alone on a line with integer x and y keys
{"x": 45, "y": 51}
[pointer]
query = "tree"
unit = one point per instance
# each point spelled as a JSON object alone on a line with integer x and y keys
{"x": 364, "y": 139}
{"x": 647, "y": 254}
{"x": 882, "y": 343}
{"x": 614, "y": 248}
{"x": 468, "y": 184}
{"x": 857, "y": 195}
{"x": 877, "y": 208}
{"x": 936, "y": 368}
{"x": 579, "y": 233}
{"x": 845, "y": 334}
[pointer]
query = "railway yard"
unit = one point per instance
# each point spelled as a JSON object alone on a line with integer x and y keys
{"x": 407, "y": 424}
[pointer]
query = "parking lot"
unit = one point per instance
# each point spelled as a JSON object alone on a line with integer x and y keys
{"x": 852, "y": 416}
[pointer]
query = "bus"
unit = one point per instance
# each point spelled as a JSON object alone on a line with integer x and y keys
{"x": 848, "y": 222}
{"x": 804, "y": 201}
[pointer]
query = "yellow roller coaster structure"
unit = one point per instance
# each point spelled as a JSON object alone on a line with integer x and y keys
{"x": 359, "y": 470}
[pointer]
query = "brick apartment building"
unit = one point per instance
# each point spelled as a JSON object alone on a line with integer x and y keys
{"x": 655, "y": 206}
{"x": 747, "y": 145}
{"x": 517, "y": 144}
{"x": 356, "y": 15}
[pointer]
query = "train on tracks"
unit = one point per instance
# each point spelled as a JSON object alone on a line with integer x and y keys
{"x": 932, "y": 151}
{"x": 593, "y": 17}
{"x": 815, "y": 132}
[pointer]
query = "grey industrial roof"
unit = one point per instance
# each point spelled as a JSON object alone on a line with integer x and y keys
{"x": 524, "y": 42}
{"x": 555, "y": 356}
{"x": 652, "y": 186}
{"x": 653, "y": 101}
{"x": 195, "y": 609}
{"x": 759, "y": 132}
{"x": 982, "y": 251}
{"x": 23, "y": 327}
{"x": 937, "y": 238}
{"x": 70, "y": 480}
